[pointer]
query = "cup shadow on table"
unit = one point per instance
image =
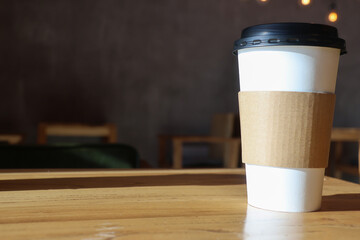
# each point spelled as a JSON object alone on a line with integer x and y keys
{"x": 122, "y": 181}
{"x": 341, "y": 202}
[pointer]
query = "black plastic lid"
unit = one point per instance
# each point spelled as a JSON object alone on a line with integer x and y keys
{"x": 280, "y": 34}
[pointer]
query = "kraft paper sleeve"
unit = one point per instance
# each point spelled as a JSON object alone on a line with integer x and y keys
{"x": 286, "y": 129}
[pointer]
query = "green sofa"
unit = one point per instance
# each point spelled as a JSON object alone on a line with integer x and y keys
{"x": 69, "y": 156}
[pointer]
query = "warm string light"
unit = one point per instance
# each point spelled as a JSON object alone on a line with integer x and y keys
{"x": 262, "y": 2}
{"x": 333, "y": 16}
{"x": 305, "y": 2}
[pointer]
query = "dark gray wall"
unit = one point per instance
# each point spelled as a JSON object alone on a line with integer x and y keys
{"x": 150, "y": 66}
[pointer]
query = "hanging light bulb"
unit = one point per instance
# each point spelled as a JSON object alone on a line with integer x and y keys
{"x": 305, "y": 2}
{"x": 333, "y": 16}
{"x": 262, "y": 1}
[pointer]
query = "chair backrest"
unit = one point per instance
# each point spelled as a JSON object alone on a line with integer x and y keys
{"x": 11, "y": 138}
{"x": 222, "y": 125}
{"x": 339, "y": 136}
{"x": 107, "y": 131}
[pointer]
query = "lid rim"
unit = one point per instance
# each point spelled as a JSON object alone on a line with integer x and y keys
{"x": 286, "y": 45}
{"x": 281, "y": 34}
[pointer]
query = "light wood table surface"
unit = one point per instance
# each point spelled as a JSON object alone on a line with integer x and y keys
{"x": 161, "y": 204}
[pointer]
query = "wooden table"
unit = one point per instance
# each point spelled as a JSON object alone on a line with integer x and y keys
{"x": 161, "y": 204}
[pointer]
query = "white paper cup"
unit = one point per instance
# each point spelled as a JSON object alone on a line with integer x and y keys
{"x": 295, "y": 68}
{"x": 288, "y": 68}
{"x": 284, "y": 189}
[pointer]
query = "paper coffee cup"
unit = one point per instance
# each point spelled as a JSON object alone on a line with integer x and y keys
{"x": 287, "y": 77}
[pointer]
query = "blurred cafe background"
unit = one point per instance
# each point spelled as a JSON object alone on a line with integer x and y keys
{"x": 148, "y": 83}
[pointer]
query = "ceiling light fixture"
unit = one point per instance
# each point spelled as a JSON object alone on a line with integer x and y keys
{"x": 333, "y": 16}
{"x": 305, "y": 2}
{"x": 262, "y": 2}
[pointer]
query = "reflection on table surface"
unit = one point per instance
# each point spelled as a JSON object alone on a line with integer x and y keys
{"x": 263, "y": 224}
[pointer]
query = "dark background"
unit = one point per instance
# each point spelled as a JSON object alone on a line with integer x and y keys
{"x": 150, "y": 66}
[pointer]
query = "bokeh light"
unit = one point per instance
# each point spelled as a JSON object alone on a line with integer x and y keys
{"x": 333, "y": 16}
{"x": 305, "y": 2}
{"x": 262, "y": 1}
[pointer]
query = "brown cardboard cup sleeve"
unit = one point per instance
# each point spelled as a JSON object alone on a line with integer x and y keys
{"x": 286, "y": 129}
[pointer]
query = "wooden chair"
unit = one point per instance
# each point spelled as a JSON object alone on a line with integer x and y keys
{"x": 338, "y": 137}
{"x": 222, "y": 143}
{"x": 12, "y": 138}
{"x": 107, "y": 131}
{"x": 231, "y": 151}
{"x": 222, "y": 126}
